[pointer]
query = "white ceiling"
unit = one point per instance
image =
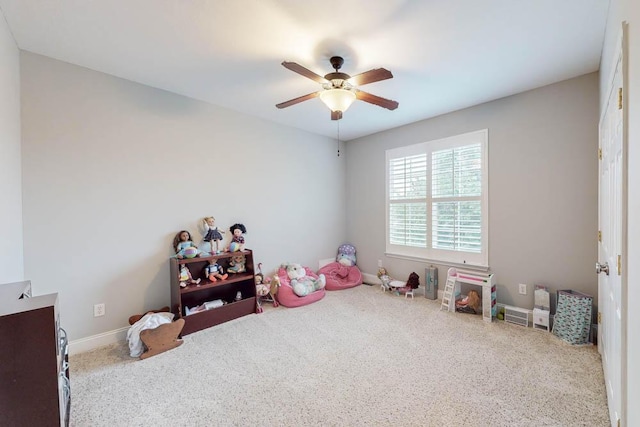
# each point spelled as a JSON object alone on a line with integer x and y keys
{"x": 444, "y": 54}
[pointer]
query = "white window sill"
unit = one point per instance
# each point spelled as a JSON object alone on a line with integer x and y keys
{"x": 464, "y": 266}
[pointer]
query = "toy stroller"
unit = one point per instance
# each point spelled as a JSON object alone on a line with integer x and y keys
{"x": 266, "y": 289}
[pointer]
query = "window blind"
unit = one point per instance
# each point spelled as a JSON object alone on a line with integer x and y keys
{"x": 437, "y": 201}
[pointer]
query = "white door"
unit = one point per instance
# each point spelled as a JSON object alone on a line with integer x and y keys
{"x": 610, "y": 202}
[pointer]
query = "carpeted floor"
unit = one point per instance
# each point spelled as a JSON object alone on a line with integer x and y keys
{"x": 359, "y": 357}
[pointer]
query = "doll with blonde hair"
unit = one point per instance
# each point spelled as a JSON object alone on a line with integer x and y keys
{"x": 470, "y": 303}
{"x": 211, "y": 234}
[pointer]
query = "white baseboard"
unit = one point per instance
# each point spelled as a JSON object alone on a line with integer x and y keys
{"x": 95, "y": 341}
{"x": 370, "y": 279}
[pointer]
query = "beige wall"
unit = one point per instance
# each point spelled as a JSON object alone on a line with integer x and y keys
{"x": 542, "y": 187}
{"x": 113, "y": 169}
{"x": 11, "y": 251}
{"x": 629, "y": 11}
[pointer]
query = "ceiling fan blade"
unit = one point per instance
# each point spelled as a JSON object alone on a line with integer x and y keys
{"x": 297, "y": 68}
{"x": 336, "y": 115}
{"x": 297, "y": 100}
{"x": 371, "y": 76}
{"x": 376, "y": 100}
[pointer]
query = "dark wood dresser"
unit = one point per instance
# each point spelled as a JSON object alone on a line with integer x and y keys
{"x": 34, "y": 364}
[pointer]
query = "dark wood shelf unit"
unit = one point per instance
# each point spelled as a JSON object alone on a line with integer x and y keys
{"x": 34, "y": 359}
{"x": 204, "y": 284}
{"x": 225, "y": 290}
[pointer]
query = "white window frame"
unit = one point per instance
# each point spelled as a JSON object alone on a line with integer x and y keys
{"x": 447, "y": 257}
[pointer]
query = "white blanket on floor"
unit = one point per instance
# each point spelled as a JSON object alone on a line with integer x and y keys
{"x": 148, "y": 321}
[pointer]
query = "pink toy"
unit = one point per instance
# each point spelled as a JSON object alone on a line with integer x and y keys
{"x": 288, "y": 298}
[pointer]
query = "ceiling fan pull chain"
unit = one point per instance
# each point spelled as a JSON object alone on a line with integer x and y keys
{"x": 338, "y": 137}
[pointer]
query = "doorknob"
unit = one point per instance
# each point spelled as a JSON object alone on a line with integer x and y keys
{"x": 602, "y": 268}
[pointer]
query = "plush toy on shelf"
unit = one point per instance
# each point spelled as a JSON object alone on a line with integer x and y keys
{"x": 237, "y": 241}
{"x": 185, "y": 278}
{"x": 211, "y": 234}
{"x": 183, "y": 245}
{"x": 237, "y": 264}
{"x": 215, "y": 272}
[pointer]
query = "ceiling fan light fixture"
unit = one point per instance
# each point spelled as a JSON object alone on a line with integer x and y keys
{"x": 338, "y": 99}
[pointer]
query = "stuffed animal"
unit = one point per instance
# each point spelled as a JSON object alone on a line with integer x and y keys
{"x": 302, "y": 284}
{"x": 346, "y": 255}
{"x": 237, "y": 264}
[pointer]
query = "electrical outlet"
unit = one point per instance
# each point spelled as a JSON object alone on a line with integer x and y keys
{"x": 98, "y": 310}
{"x": 522, "y": 289}
{"x": 379, "y": 263}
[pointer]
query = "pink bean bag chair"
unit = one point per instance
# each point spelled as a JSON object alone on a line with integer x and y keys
{"x": 285, "y": 293}
{"x": 340, "y": 276}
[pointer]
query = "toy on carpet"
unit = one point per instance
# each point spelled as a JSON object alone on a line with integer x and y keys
{"x": 237, "y": 264}
{"x": 469, "y": 303}
{"x": 183, "y": 245}
{"x": 288, "y": 298}
{"x": 301, "y": 283}
{"x": 211, "y": 234}
{"x": 153, "y": 333}
{"x": 273, "y": 289}
{"x": 343, "y": 272}
{"x": 388, "y": 283}
{"x": 384, "y": 278}
{"x": 184, "y": 277}
{"x": 237, "y": 241}
{"x": 266, "y": 289}
{"x": 215, "y": 272}
{"x": 412, "y": 283}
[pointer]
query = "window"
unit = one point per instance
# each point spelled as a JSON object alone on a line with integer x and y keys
{"x": 437, "y": 202}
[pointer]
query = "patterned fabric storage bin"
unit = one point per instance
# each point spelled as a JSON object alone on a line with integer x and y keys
{"x": 572, "y": 322}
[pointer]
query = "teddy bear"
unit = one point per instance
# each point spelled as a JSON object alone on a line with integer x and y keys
{"x": 301, "y": 283}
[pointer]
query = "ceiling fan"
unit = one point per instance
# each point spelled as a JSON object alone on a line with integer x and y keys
{"x": 339, "y": 90}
